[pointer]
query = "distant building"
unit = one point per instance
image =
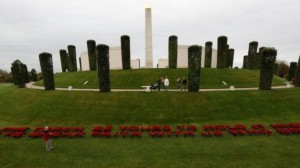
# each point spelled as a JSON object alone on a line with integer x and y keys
{"x": 115, "y": 60}
{"x": 182, "y": 58}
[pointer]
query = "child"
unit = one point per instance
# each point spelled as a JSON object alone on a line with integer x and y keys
{"x": 47, "y": 139}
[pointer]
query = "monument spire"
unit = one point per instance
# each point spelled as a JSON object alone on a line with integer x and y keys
{"x": 148, "y": 36}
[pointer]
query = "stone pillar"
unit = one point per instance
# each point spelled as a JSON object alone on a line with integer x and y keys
{"x": 148, "y": 37}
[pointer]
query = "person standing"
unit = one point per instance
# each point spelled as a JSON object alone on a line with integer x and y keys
{"x": 158, "y": 83}
{"x": 166, "y": 83}
{"x": 179, "y": 87}
{"x": 184, "y": 82}
{"x": 47, "y": 139}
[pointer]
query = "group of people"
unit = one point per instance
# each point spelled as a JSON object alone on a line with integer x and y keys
{"x": 164, "y": 83}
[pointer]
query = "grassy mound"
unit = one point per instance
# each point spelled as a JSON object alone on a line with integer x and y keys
{"x": 24, "y": 107}
{"x": 134, "y": 79}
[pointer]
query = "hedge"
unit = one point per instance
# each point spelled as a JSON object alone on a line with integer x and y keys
{"x": 245, "y": 62}
{"x": 125, "y": 49}
{"x": 173, "y": 45}
{"x": 292, "y": 71}
{"x": 103, "y": 67}
{"x": 221, "y": 53}
{"x": 72, "y": 58}
{"x": 208, "y": 54}
{"x": 91, "y": 45}
{"x": 194, "y": 66}
{"x": 252, "y": 52}
{"x": 267, "y": 68}
{"x": 297, "y": 84}
{"x": 47, "y": 70}
{"x": 64, "y": 60}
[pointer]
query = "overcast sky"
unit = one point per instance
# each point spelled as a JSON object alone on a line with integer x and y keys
{"x": 29, "y": 27}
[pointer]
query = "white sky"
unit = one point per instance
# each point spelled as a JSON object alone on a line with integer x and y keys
{"x": 29, "y": 27}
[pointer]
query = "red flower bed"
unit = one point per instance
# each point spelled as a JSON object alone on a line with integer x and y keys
{"x": 15, "y": 132}
{"x": 58, "y": 132}
{"x": 287, "y": 129}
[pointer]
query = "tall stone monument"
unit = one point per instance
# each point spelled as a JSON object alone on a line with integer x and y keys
{"x": 148, "y": 37}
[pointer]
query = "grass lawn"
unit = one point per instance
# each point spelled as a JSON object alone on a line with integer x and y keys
{"x": 33, "y": 108}
{"x": 134, "y": 79}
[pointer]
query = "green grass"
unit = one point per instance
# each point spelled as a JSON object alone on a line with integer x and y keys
{"x": 134, "y": 79}
{"x": 24, "y": 107}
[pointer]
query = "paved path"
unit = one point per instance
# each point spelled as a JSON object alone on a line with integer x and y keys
{"x": 31, "y": 86}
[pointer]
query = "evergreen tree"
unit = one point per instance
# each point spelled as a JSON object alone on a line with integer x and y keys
{"x": 47, "y": 70}
{"x": 72, "y": 58}
{"x": 91, "y": 45}
{"x": 173, "y": 45}
{"x": 267, "y": 68}
{"x": 64, "y": 60}
{"x": 252, "y": 52}
{"x": 208, "y": 54}
{"x": 292, "y": 71}
{"x": 103, "y": 67}
{"x": 34, "y": 75}
{"x": 194, "y": 66}
{"x": 297, "y": 84}
{"x": 245, "y": 63}
{"x": 221, "y": 53}
{"x": 125, "y": 48}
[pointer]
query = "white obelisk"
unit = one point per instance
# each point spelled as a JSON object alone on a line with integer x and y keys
{"x": 148, "y": 36}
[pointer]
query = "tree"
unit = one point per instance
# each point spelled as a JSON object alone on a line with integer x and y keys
{"x": 252, "y": 52}
{"x": 292, "y": 71}
{"x": 125, "y": 48}
{"x": 5, "y": 76}
{"x": 245, "y": 63}
{"x": 64, "y": 60}
{"x": 72, "y": 58}
{"x": 194, "y": 66}
{"x": 47, "y": 70}
{"x": 103, "y": 67}
{"x": 258, "y": 58}
{"x": 18, "y": 71}
{"x": 267, "y": 68}
{"x": 173, "y": 45}
{"x": 221, "y": 53}
{"x": 297, "y": 84}
{"x": 208, "y": 54}
{"x": 231, "y": 57}
{"x": 282, "y": 68}
{"x": 33, "y": 74}
{"x": 91, "y": 45}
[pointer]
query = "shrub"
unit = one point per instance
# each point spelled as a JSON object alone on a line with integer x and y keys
{"x": 91, "y": 45}
{"x": 221, "y": 52}
{"x": 72, "y": 58}
{"x": 258, "y": 58}
{"x": 245, "y": 63}
{"x": 33, "y": 75}
{"x": 103, "y": 67}
{"x": 18, "y": 73}
{"x": 173, "y": 45}
{"x": 297, "y": 83}
{"x": 231, "y": 57}
{"x": 125, "y": 48}
{"x": 267, "y": 68}
{"x": 47, "y": 70}
{"x": 64, "y": 60}
{"x": 194, "y": 66}
{"x": 292, "y": 71}
{"x": 252, "y": 52}
{"x": 208, "y": 54}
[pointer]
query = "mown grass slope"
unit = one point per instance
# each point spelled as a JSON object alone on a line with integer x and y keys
{"x": 134, "y": 79}
{"x": 24, "y": 107}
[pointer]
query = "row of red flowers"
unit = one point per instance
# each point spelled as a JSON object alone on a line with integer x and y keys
{"x": 154, "y": 131}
